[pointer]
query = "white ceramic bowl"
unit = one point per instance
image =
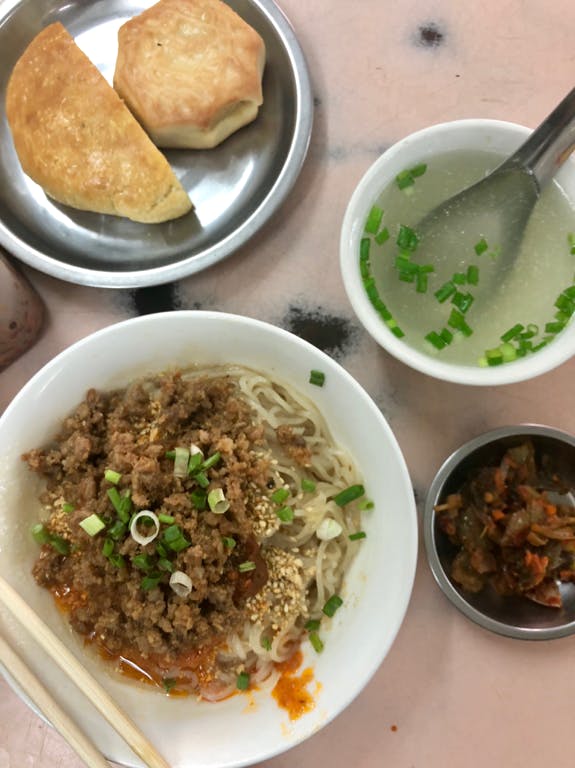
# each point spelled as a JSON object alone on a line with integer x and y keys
{"x": 244, "y": 729}
{"x": 488, "y": 135}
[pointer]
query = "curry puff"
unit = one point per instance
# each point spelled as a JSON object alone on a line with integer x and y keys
{"x": 190, "y": 71}
{"x": 76, "y": 138}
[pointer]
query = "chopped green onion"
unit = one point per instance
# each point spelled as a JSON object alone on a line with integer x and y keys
{"x": 407, "y": 178}
{"x": 243, "y": 681}
{"x": 459, "y": 278}
{"x": 554, "y": 327}
{"x": 181, "y": 460}
{"x": 571, "y": 241}
{"x": 217, "y": 502}
{"x": 446, "y": 335}
{"x": 166, "y": 519}
{"x": 349, "y": 494}
{"x": 508, "y": 351}
{"x": 67, "y": 507}
{"x": 115, "y": 498}
{"x": 435, "y": 340}
{"x": 266, "y": 643}
{"x": 40, "y": 534}
{"x": 285, "y": 514}
{"x": 371, "y": 289}
{"x": 180, "y": 583}
{"x": 445, "y": 291}
{"x": 201, "y": 479}
{"x": 92, "y": 524}
{"x": 404, "y": 179}
{"x": 117, "y": 530}
{"x": 107, "y": 547}
{"x": 247, "y": 565}
{"x": 472, "y": 275}
{"x": 147, "y": 519}
{"x": 396, "y": 330}
{"x": 407, "y": 276}
{"x": 150, "y": 582}
{"x": 332, "y": 605}
{"x": 531, "y": 331}
{"x": 170, "y": 454}
{"x": 374, "y": 220}
{"x": 403, "y": 263}
{"x": 211, "y": 461}
{"x": 112, "y": 477}
{"x": 317, "y": 378}
{"x": 382, "y": 309}
{"x": 328, "y": 529}
{"x": 494, "y": 356}
{"x": 228, "y": 542}
{"x": 179, "y": 544}
{"x": 357, "y": 535}
{"x": 312, "y": 625}
{"x": 60, "y": 544}
{"x": 366, "y": 504}
{"x": 174, "y": 539}
{"x": 421, "y": 282}
{"x": 308, "y": 485}
{"x": 407, "y": 238}
{"x": 117, "y": 560}
{"x": 457, "y": 320}
{"x": 364, "y": 247}
{"x": 542, "y": 343}
{"x": 143, "y": 562}
{"x": 161, "y": 549}
{"x": 462, "y": 301}
{"x": 121, "y": 503}
{"x": 199, "y": 498}
{"x": 418, "y": 170}
{"x": 382, "y": 236}
{"x": 279, "y": 495}
{"x": 166, "y": 565}
{"x": 565, "y": 304}
{"x": 168, "y": 683}
{"x": 195, "y": 462}
{"x": 316, "y": 642}
{"x": 513, "y": 332}
{"x": 481, "y": 246}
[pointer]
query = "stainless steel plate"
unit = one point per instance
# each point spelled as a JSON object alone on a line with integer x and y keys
{"x": 235, "y": 187}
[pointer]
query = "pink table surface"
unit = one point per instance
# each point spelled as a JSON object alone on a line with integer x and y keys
{"x": 449, "y": 693}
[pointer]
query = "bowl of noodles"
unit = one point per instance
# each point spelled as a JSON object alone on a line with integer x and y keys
{"x": 190, "y": 508}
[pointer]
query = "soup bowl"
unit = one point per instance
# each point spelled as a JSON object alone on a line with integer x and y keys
{"x": 416, "y": 151}
{"x": 246, "y": 727}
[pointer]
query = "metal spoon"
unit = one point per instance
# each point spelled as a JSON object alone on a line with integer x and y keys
{"x": 499, "y": 206}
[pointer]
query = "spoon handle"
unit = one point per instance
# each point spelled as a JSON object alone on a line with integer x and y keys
{"x": 550, "y": 144}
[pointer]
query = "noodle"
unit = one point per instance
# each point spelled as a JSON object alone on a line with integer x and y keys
{"x": 250, "y": 600}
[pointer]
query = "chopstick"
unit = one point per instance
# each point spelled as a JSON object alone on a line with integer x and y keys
{"x": 34, "y": 689}
{"x": 89, "y": 686}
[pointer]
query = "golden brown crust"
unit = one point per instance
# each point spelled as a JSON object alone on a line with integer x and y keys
{"x": 79, "y": 142}
{"x": 191, "y": 72}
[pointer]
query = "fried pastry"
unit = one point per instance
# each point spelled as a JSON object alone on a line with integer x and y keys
{"x": 190, "y": 71}
{"x": 76, "y": 138}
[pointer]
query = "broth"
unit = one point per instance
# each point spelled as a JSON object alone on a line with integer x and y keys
{"x": 506, "y": 293}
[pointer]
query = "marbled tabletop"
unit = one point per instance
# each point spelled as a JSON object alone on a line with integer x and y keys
{"x": 449, "y": 693}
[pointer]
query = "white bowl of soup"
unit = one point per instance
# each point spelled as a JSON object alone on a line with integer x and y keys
{"x": 188, "y": 506}
{"x": 467, "y": 316}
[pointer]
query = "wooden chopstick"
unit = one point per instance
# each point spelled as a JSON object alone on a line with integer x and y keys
{"x": 35, "y": 691}
{"x": 89, "y": 686}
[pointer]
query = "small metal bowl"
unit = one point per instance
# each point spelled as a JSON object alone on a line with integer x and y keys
{"x": 511, "y": 616}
